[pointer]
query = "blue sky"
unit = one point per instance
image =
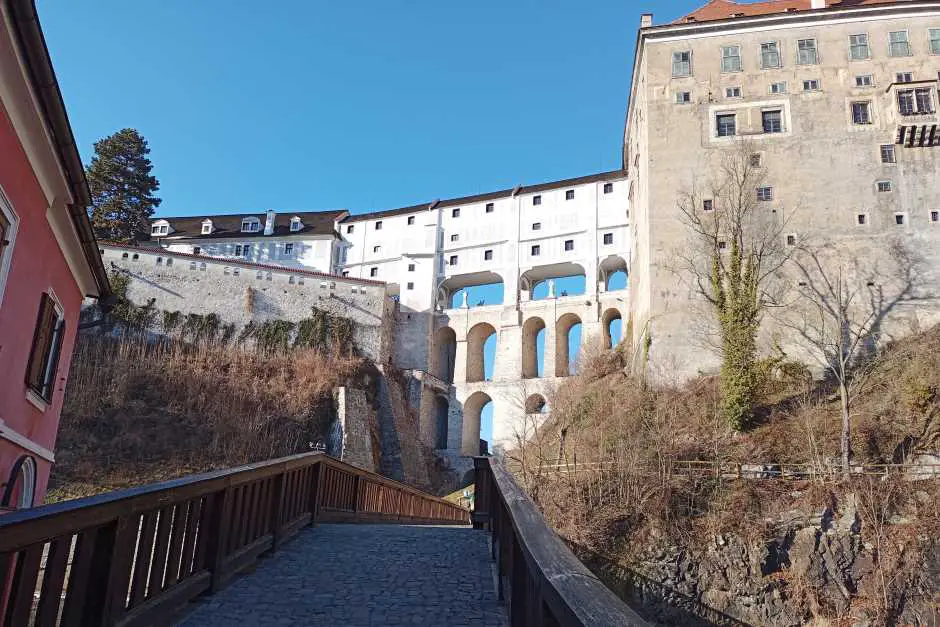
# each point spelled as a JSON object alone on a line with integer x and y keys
{"x": 311, "y": 105}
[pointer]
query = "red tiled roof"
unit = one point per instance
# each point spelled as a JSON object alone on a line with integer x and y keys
{"x": 726, "y": 9}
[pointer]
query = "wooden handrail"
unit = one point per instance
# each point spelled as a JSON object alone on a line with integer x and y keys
{"x": 133, "y": 557}
{"x": 538, "y": 576}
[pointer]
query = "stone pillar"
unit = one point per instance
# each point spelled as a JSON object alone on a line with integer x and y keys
{"x": 460, "y": 361}
{"x": 508, "y": 354}
{"x": 548, "y": 359}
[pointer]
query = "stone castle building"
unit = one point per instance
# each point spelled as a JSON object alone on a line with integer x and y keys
{"x": 837, "y": 103}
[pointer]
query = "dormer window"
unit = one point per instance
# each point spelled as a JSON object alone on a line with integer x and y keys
{"x": 207, "y": 227}
{"x": 296, "y": 224}
{"x": 251, "y": 225}
{"x": 161, "y": 227}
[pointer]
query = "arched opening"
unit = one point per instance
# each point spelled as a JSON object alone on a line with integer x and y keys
{"x": 444, "y": 354}
{"x": 553, "y": 281}
{"x": 612, "y": 273}
{"x": 441, "y": 413}
{"x": 473, "y": 409}
{"x": 533, "y": 348}
{"x": 481, "y": 352}
{"x": 535, "y": 404}
{"x": 613, "y": 327}
{"x": 477, "y": 289}
{"x": 567, "y": 344}
{"x": 20, "y": 488}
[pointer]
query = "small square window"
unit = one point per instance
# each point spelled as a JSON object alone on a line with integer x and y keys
{"x": 884, "y": 186}
{"x": 864, "y": 80}
{"x": 899, "y": 219}
{"x": 349, "y": 229}
{"x": 722, "y": 245}
{"x": 756, "y": 160}
{"x": 726, "y": 125}
{"x": 778, "y": 88}
{"x": 791, "y": 240}
{"x": 772, "y": 121}
{"x": 935, "y": 216}
{"x": 569, "y": 195}
{"x": 536, "y": 226}
{"x": 536, "y": 250}
{"x": 409, "y": 286}
{"x": 904, "y": 77}
{"x": 454, "y": 237}
{"x": 569, "y": 244}
{"x": 411, "y": 267}
{"x": 411, "y": 220}
{"x": 608, "y": 188}
{"x": 765, "y": 194}
{"x": 608, "y": 239}
{"x": 197, "y": 250}
{"x": 487, "y": 255}
{"x": 733, "y": 92}
{"x": 455, "y": 213}
{"x": 708, "y": 204}
{"x": 345, "y": 273}
{"x": 490, "y": 207}
{"x": 536, "y": 200}
{"x": 453, "y": 260}
{"x": 373, "y": 272}
{"x": 861, "y": 219}
{"x": 683, "y": 97}
{"x": 887, "y": 153}
{"x": 378, "y": 225}
{"x": 288, "y": 249}
{"x": 811, "y": 85}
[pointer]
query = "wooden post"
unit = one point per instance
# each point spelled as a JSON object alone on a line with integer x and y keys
{"x": 218, "y": 531}
{"x": 481, "y": 492}
{"x": 316, "y": 490}
{"x": 277, "y": 511}
{"x": 356, "y": 485}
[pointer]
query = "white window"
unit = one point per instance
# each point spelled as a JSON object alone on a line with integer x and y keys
{"x": 47, "y": 346}
{"x": 861, "y": 113}
{"x": 8, "y": 227}
{"x": 765, "y": 193}
{"x": 864, "y": 80}
{"x": 409, "y": 286}
{"x": 769, "y": 55}
{"x": 250, "y": 225}
{"x": 887, "y": 153}
{"x": 898, "y": 44}
{"x": 708, "y": 204}
{"x": 411, "y": 267}
{"x": 682, "y": 63}
{"x": 791, "y": 240}
{"x": 246, "y": 250}
{"x": 933, "y": 35}
{"x": 778, "y": 88}
{"x": 772, "y": 121}
{"x": 726, "y": 125}
{"x": 732, "y": 92}
{"x": 904, "y": 77}
{"x": 806, "y": 52}
{"x": 811, "y": 85}
{"x": 731, "y": 59}
{"x": 858, "y": 47}
{"x": 884, "y": 186}
{"x": 683, "y": 97}
{"x": 296, "y": 224}
{"x": 207, "y": 227}
{"x": 288, "y": 249}
{"x": 756, "y": 160}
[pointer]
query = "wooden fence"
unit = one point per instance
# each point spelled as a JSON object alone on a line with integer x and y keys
{"x": 134, "y": 557}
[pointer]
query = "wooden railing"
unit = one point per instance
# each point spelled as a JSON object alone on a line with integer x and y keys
{"x": 134, "y": 557}
{"x": 538, "y": 576}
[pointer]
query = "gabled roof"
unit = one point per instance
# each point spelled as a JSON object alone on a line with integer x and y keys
{"x": 230, "y": 225}
{"x": 727, "y": 9}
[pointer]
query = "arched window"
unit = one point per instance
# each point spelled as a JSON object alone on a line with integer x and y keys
{"x": 20, "y": 490}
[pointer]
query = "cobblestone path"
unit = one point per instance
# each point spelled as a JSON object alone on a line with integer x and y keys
{"x": 359, "y": 575}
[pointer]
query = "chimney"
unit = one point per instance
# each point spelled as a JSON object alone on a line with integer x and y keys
{"x": 646, "y": 20}
{"x": 269, "y": 223}
{"x": 818, "y": 4}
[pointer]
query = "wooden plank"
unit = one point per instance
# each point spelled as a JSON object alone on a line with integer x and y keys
{"x": 216, "y": 533}
{"x": 50, "y": 597}
{"x": 162, "y": 608}
{"x": 80, "y": 576}
{"x": 234, "y": 518}
{"x": 23, "y": 586}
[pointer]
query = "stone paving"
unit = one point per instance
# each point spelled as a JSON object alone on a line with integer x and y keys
{"x": 359, "y": 575}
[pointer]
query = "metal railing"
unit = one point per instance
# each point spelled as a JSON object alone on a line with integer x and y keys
{"x": 538, "y": 576}
{"x": 134, "y": 557}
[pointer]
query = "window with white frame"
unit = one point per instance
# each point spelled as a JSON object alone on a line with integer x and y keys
{"x": 791, "y": 239}
{"x": 765, "y": 193}
{"x": 732, "y": 92}
{"x": 769, "y": 55}
{"x": 861, "y": 113}
{"x": 569, "y": 194}
{"x": 47, "y": 346}
{"x": 682, "y": 63}
{"x": 900, "y": 219}
{"x": 536, "y": 250}
{"x": 608, "y": 188}
{"x": 376, "y": 249}
{"x": 608, "y": 239}
{"x": 933, "y": 36}
{"x": 207, "y": 227}
{"x": 778, "y": 88}
{"x": 708, "y": 205}
{"x": 731, "y": 59}
{"x": 806, "y": 53}
{"x": 811, "y": 85}
{"x": 884, "y": 186}
{"x": 935, "y": 216}
{"x": 487, "y": 255}
{"x": 490, "y": 207}
{"x": 726, "y": 124}
{"x": 454, "y": 237}
{"x": 772, "y": 121}
{"x": 536, "y": 226}
{"x": 197, "y": 250}
{"x": 453, "y": 260}
{"x": 378, "y": 225}
{"x": 864, "y": 80}
{"x": 8, "y": 226}
{"x": 861, "y": 219}
{"x": 858, "y": 47}
{"x": 288, "y": 249}
{"x": 904, "y": 77}
{"x": 350, "y": 228}
{"x": 411, "y": 220}
{"x": 251, "y": 225}
{"x": 887, "y": 153}
{"x": 569, "y": 245}
{"x": 411, "y": 267}
{"x": 898, "y": 44}
{"x": 373, "y": 272}
{"x": 683, "y": 97}
{"x": 296, "y": 224}
{"x": 536, "y": 200}
{"x": 455, "y": 213}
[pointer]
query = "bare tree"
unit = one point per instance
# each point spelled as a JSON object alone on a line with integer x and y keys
{"x": 738, "y": 246}
{"x": 841, "y": 304}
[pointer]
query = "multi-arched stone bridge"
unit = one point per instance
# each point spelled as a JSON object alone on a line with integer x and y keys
{"x": 212, "y": 550}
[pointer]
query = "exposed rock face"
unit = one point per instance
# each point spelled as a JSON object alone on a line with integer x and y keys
{"x": 807, "y": 570}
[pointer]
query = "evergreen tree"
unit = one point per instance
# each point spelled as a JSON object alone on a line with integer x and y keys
{"x": 122, "y": 188}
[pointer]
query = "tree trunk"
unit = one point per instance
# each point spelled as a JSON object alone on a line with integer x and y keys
{"x": 845, "y": 440}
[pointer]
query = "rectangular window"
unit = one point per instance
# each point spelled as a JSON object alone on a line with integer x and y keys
{"x": 773, "y": 121}
{"x": 935, "y": 216}
{"x": 731, "y": 59}
{"x": 155, "y": 230}
{"x": 409, "y": 286}
{"x": 755, "y": 160}
{"x": 682, "y": 63}
{"x": 898, "y": 44}
{"x": 732, "y": 92}
{"x": 569, "y": 244}
{"x": 906, "y": 104}
{"x": 765, "y": 194}
{"x": 806, "y": 52}
{"x": 791, "y": 240}
{"x": 6, "y": 243}
{"x": 411, "y": 267}
{"x": 247, "y": 250}
{"x": 608, "y": 188}
{"x": 778, "y": 88}
{"x": 904, "y": 77}
{"x": 536, "y": 226}
{"x": 238, "y": 250}
{"x": 569, "y": 195}
{"x": 536, "y": 250}
{"x": 811, "y": 85}
{"x": 861, "y": 113}
{"x": 683, "y": 97}
{"x": 884, "y": 186}
{"x": 722, "y": 245}
{"x": 490, "y": 207}
{"x": 454, "y": 237}
{"x": 164, "y": 229}
{"x": 250, "y": 226}
{"x": 861, "y": 219}
{"x": 899, "y": 219}
{"x": 378, "y": 225}
{"x": 373, "y": 272}
{"x": 608, "y": 239}
{"x": 453, "y": 260}
{"x": 536, "y": 200}
{"x": 207, "y": 229}
{"x": 858, "y": 47}
{"x": 887, "y": 153}
{"x": 288, "y": 249}
{"x": 197, "y": 250}
{"x": 411, "y": 220}
{"x": 47, "y": 345}
{"x": 769, "y": 55}
{"x": 455, "y": 213}
{"x": 349, "y": 229}
{"x": 726, "y": 125}
{"x": 933, "y": 34}
{"x": 487, "y": 255}
{"x": 864, "y": 80}
{"x": 923, "y": 100}
{"x": 708, "y": 204}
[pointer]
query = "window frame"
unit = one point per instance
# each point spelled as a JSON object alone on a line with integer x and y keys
{"x": 782, "y": 84}
{"x": 862, "y": 85}
{"x": 729, "y": 92}
{"x": 723, "y": 57}
{"x": 373, "y": 272}
{"x": 489, "y": 208}
{"x": 765, "y": 193}
{"x": 378, "y": 225}
{"x": 535, "y": 250}
{"x": 884, "y": 187}
{"x": 779, "y": 121}
{"x": 808, "y": 85}
{"x": 569, "y": 245}
{"x": 887, "y": 150}
{"x": 608, "y": 188}
{"x": 12, "y": 220}
{"x": 608, "y": 239}
{"x": 683, "y": 97}
{"x": 799, "y": 51}
{"x": 688, "y": 63}
{"x": 537, "y": 200}
{"x": 206, "y": 228}
{"x": 867, "y": 107}
{"x": 410, "y": 220}
{"x": 718, "y": 125}
{"x": 289, "y": 249}
{"x": 907, "y": 42}
{"x": 295, "y": 225}
{"x": 488, "y": 254}
{"x": 777, "y": 50}
{"x": 867, "y": 47}
{"x": 455, "y": 212}
{"x": 931, "y": 40}
{"x": 49, "y": 353}
{"x": 254, "y": 225}
{"x": 452, "y": 260}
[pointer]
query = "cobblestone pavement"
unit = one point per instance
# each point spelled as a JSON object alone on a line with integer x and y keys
{"x": 360, "y": 575}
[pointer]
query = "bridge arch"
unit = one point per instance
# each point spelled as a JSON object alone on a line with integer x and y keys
{"x": 612, "y": 273}
{"x": 489, "y": 284}
{"x": 532, "y": 329}
{"x": 563, "y": 328}
{"x": 444, "y": 354}
{"x": 613, "y": 332}
{"x": 441, "y": 418}
{"x": 477, "y": 364}
{"x": 532, "y": 281}
{"x": 472, "y": 412}
{"x": 535, "y": 404}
